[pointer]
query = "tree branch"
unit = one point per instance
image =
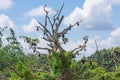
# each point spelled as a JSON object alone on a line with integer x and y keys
{"x": 96, "y": 46}
{"x": 95, "y": 51}
{"x": 80, "y": 47}
{"x": 69, "y": 28}
{"x": 45, "y": 30}
{"x": 60, "y": 12}
{"x": 39, "y": 54}
{"x": 58, "y": 25}
{"x": 42, "y": 48}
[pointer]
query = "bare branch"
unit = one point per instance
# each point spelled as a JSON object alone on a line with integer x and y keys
{"x": 50, "y": 21}
{"x": 42, "y": 48}
{"x": 58, "y": 25}
{"x": 80, "y": 47}
{"x": 45, "y": 30}
{"x": 69, "y": 28}
{"x": 39, "y": 27}
{"x": 96, "y": 46}
{"x": 50, "y": 45}
{"x": 48, "y": 39}
{"x": 56, "y": 17}
{"x": 40, "y": 23}
{"x": 45, "y": 15}
{"x": 60, "y": 11}
{"x": 40, "y": 54}
{"x": 44, "y": 26}
{"x": 95, "y": 51}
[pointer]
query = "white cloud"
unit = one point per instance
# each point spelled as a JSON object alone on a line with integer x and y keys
{"x": 115, "y": 1}
{"x": 5, "y": 4}
{"x": 39, "y": 11}
{"x": 116, "y": 36}
{"x": 30, "y": 27}
{"x": 116, "y": 33}
{"x": 94, "y": 13}
{"x": 5, "y": 21}
{"x": 107, "y": 43}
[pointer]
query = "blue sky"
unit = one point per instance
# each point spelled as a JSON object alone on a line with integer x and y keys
{"x": 101, "y": 19}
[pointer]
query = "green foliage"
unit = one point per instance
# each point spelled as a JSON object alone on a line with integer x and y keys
{"x": 31, "y": 41}
{"x": 16, "y": 65}
{"x": 1, "y": 35}
{"x": 22, "y": 71}
{"x": 96, "y": 73}
{"x": 47, "y": 76}
{"x": 13, "y": 62}
{"x": 108, "y": 65}
{"x": 14, "y": 76}
{"x": 56, "y": 60}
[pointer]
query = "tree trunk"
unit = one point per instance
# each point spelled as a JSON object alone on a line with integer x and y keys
{"x": 65, "y": 74}
{"x": 65, "y": 68}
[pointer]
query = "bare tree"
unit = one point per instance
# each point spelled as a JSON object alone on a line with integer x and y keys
{"x": 56, "y": 38}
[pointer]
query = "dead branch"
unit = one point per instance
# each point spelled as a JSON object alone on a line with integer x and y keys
{"x": 96, "y": 46}
{"x": 45, "y": 30}
{"x": 95, "y": 50}
{"x": 42, "y": 48}
{"x": 80, "y": 47}
{"x": 58, "y": 25}
{"x": 60, "y": 12}
{"x": 56, "y": 16}
{"x": 40, "y": 54}
{"x": 69, "y": 28}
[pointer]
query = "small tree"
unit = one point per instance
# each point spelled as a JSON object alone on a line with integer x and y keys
{"x": 55, "y": 39}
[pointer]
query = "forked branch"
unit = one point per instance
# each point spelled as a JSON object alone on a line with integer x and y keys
{"x": 80, "y": 47}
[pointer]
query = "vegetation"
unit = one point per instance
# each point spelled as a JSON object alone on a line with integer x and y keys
{"x": 57, "y": 64}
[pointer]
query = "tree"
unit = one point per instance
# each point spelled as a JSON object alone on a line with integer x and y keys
{"x": 55, "y": 39}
